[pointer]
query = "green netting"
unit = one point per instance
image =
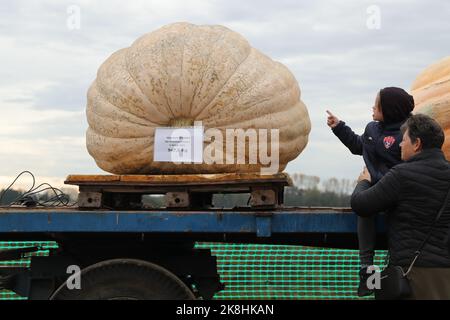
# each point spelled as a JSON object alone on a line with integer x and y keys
{"x": 286, "y": 272}
{"x": 6, "y": 295}
{"x": 252, "y": 271}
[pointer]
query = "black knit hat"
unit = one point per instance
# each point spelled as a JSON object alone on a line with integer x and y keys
{"x": 396, "y": 104}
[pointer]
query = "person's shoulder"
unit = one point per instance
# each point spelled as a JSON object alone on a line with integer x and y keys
{"x": 372, "y": 126}
{"x": 408, "y": 169}
{"x": 402, "y": 166}
{"x": 401, "y": 169}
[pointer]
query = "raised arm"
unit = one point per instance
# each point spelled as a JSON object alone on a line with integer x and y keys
{"x": 350, "y": 139}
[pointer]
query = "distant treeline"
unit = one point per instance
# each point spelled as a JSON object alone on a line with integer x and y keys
{"x": 13, "y": 195}
{"x": 292, "y": 197}
{"x": 315, "y": 198}
{"x": 9, "y": 196}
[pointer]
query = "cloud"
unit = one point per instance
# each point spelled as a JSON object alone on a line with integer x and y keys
{"x": 339, "y": 63}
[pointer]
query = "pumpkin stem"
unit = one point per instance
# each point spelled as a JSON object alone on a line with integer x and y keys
{"x": 181, "y": 122}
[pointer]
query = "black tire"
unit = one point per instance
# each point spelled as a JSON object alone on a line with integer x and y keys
{"x": 126, "y": 279}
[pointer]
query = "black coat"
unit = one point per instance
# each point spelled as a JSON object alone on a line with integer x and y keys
{"x": 379, "y": 146}
{"x": 411, "y": 194}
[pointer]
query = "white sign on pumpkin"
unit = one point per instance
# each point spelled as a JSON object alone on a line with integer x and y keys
{"x": 179, "y": 145}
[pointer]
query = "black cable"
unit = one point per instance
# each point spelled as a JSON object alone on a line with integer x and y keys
{"x": 55, "y": 191}
{"x": 9, "y": 188}
{"x": 60, "y": 199}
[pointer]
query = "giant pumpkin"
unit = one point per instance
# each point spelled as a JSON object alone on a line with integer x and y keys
{"x": 184, "y": 73}
{"x": 431, "y": 91}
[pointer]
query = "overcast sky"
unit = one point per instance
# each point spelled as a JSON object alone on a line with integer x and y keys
{"x": 334, "y": 48}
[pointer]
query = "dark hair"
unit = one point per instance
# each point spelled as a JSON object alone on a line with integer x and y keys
{"x": 396, "y": 104}
{"x": 425, "y": 128}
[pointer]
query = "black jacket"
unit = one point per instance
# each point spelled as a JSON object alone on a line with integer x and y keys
{"x": 379, "y": 145}
{"x": 411, "y": 194}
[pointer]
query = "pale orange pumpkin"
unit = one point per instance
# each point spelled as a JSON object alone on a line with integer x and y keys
{"x": 431, "y": 91}
{"x": 183, "y": 73}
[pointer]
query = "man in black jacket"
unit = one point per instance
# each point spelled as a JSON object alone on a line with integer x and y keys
{"x": 411, "y": 194}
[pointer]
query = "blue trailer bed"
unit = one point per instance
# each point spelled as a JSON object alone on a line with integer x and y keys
{"x": 307, "y": 226}
{"x": 261, "y": 223}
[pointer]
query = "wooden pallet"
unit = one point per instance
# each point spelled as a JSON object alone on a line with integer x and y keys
{"x": 180, "y": 191}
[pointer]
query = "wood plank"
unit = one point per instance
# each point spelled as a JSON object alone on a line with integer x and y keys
{"x": 74, "y": 179}
{"x": 190, "y": 179}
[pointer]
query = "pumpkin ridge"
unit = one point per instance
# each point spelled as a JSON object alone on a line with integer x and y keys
{"x": 136, "y": 156}
{"x": 117, "y": 140}
{"x": 285, "y": 90}
{"x": 300, "y": 143}
{"x": 104, "y": 96}
{"x": 191, "y": 31}
{"x": 430, "y": 86}
{"x": 113, "y": 154}
{"x": 283, "y": 75}
{"x": 164, "y": 58}
{"x": 293, "y": 119}
{"x": 259, "y": 81}
{"x": 121, "y": 137}
{"x": 225, "y": 83}
{"x": 137, "y": 84}
{"x": 182, "y": 69}
{"x": 426, "y": 76}
{"x": 213, "y": 47}
{"x": 99, "y": 85}
{"x": 225, "y": 33}
{"x": 103, "y": 155}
